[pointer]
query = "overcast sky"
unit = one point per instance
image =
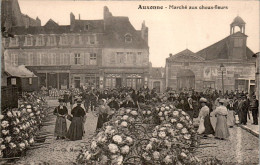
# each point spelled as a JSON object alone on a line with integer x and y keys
{"x": 170, "y": 31}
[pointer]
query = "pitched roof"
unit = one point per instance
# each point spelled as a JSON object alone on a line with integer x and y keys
{"x": 51, "y": 24}
{"x": 185, "y": 52}
{"x": 238, "y": 21}
{"x": 51, "y": 27}
{"x": 115, "y": 30}
{"x": 219, "y": 50}
{"x": 157, "y": 72}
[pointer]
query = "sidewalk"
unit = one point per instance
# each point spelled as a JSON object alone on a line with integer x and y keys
{"x": 253, "y": 129}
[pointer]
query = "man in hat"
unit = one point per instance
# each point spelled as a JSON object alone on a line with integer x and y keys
{"x": 254, "y": 108}
{"x": 61, "y": 126}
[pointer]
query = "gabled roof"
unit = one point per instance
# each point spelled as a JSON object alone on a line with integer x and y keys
{"x": 219, "y": 50}
{"x": 157, "y": 72}
{"x": 51, "y": 24}
{"x": 115, "y": 30}
{"x": 185, "y": 55}
{"x": 20, "y": 71}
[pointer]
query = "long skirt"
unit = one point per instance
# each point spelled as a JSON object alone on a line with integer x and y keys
{"x": 231, "y": 118}
{"x": 221, "y": 130}
{"x": 60, "y": 127}
{"x": 208, "y": 127}
{"x": 190, "y": 113}
{"x": 101, "y": 120}
{"x": 76, "y": 129}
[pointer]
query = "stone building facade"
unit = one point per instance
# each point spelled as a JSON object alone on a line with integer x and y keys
{"x": 202, "y": 69}
{"x": 96, "y": 53}
{"x": 11, "y": 15}
{"x": 157, "y": 79}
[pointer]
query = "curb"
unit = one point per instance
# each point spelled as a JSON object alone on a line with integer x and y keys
{"x": 250, "y": 131}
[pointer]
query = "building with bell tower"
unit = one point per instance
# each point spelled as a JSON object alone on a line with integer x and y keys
{"x": 237, "y": 39}
{"x": 203, "y": 69}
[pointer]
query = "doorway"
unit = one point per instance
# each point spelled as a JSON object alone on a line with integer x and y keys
{"x": 185, "y": 79}
{"x": 118, "y": 82}
{"x": 77, "y": 82}
{"x": 157, "y": 85}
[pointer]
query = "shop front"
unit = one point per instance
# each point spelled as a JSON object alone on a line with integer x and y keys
{"x": 135, "y": 81}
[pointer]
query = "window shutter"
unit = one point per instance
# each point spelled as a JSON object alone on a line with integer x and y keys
{"x": 72, "y": 61}
{"x": 87, "y": 57}
{"x": 82, "y": 58}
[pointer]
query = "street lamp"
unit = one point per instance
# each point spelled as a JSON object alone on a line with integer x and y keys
{"x": 222, "y": 68}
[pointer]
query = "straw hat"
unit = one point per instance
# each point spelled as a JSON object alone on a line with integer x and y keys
{"x": 221, "y": 101}
{"x": 203, "y": 100}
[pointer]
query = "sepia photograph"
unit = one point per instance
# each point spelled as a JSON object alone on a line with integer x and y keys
{"x": 129, "y": 82}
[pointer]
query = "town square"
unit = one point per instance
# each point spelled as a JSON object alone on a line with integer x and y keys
{"x": 110, "y": 83}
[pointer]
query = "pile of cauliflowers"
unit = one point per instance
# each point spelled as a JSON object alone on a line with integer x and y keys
{"x": 172, "y": 139}
{"x": 19, "y": 127}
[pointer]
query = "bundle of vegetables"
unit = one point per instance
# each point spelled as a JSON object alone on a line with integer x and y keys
{"x": 19, "y": 127}
{"x": 129, "y": 114}
{"x": 109, "y": 146}
{"x": 169, "y": 145}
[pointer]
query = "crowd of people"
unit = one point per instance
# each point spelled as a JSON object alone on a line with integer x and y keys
{"x": 230, "y": 108}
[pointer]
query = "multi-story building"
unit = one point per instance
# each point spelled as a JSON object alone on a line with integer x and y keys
{"x": 101, "y": 53}
{"x": 204, "y": 69}
{"x": 125, "y": 59}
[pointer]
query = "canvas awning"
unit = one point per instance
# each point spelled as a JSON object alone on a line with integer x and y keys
{"x": 19, "y": 71}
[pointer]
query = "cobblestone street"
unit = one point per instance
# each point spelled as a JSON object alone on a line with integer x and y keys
{"x": 59, "y": 151}
{"x": 241, "y": 148}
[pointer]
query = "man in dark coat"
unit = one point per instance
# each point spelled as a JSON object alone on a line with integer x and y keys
{"x": 254, "y": 108}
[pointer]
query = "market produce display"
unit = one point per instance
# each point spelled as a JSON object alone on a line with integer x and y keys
{"x": 19, "y": 127}
{"x": 128, "y": 138}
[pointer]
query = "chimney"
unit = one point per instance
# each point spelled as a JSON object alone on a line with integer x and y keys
{"x": 170, "y": 55}
{"x": 79, "y": 16}
{"x": 106, "y": 15}
{"x": 72, "y": 21}
{"x": 144, "y": 32}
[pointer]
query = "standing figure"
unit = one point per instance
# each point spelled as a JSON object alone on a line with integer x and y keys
{"x": 76, "y": 128}
{"x": 221, "y": 112}
{"x": 61, "y": 126}
{"x": 71, "y": 99}
{"x": 254, "y": 108}
{"x": 204, "y": 116}
{"x": 103, "y": 112}
{"x": 231, "y": 113}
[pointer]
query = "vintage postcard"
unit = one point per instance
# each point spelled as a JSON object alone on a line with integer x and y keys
{"x": 129, "y": 82}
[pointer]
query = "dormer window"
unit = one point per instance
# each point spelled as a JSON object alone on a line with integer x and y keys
{"x": 14, "y": 41}
{"x": 51, "y": 40}
{"x": 29, "y": 41}
{"x": 86, "y": 27}
{"x": 40, "y": 40}
{"x": 64, "y": 40}
{"x": 128, "y": 38}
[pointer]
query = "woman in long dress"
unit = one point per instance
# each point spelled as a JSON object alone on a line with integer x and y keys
{"x": 221, "y": 112}
{"x": 76, "y": 129}
{"x": 103, "y": 111}
{"x": 204, "y": 116}
{"x": 231, "y": 114}
{"x": 61, "y": 126}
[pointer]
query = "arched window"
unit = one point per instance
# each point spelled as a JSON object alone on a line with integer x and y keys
{"x": 128, "y": 38}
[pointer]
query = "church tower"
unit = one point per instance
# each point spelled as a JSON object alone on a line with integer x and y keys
{"x": 237, "y": 42}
